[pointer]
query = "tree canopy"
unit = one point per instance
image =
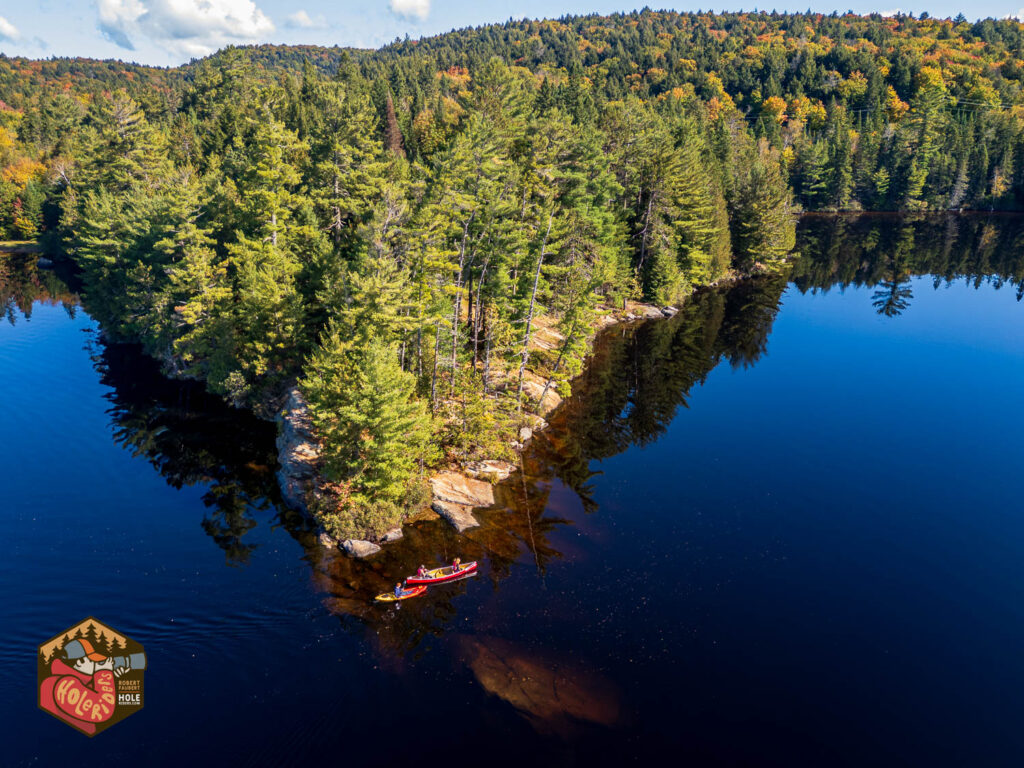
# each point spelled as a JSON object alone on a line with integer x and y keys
{"x": 423, "y": 236}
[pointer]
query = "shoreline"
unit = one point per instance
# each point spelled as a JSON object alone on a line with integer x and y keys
{"x": 908, "y": 214}
{"x": 457, "y": 491}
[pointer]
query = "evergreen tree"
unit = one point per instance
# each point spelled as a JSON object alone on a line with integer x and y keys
{"x": 763, "y": 214}
{"x": 376, "y": 435}
{"x": 347, "y": 168}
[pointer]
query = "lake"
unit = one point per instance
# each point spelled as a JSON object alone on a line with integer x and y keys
{"x": 780, "y": 528}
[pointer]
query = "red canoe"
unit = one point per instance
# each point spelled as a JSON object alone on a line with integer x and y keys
{"x": 439, "y": 575}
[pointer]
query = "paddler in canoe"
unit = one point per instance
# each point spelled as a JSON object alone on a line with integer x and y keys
{"x": 440, "y": 575}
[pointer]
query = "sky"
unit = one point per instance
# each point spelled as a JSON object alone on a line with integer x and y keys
{"x": 171, "y": 32}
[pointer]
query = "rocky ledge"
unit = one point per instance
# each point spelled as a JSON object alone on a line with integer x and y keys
{"x": 298, "y": 451}
{"x": 490, "y": 470}
{"x": 456, "y": 496}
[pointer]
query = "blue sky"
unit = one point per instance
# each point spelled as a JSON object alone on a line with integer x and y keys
{"x": 167, "y": 32}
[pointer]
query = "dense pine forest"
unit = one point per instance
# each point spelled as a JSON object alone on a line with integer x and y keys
{"x": 393, "y": 230}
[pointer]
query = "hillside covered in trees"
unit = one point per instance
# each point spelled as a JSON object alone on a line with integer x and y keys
{"x": 393, "y": 229}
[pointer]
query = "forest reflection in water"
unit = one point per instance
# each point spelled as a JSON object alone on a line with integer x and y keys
{"x": 637, "y": 379}
{"x": 641, "y": 374}
{"x": 23, "y": 282}
{"x": 886, "y": 251}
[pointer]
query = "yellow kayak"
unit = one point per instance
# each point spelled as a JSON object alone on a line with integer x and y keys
{"x": 390, "y": 597}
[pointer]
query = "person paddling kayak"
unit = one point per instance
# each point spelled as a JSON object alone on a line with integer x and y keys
{"x": 398, "y": 589}
{"x": 456, "y": 565}
{"x": 421, "y": 572}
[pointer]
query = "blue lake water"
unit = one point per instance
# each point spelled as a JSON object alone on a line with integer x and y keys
{"x": 782, "y": 528}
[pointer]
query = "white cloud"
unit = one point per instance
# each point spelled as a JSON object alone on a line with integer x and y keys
{"x": 192, "y": 27}
{"x": 893, "y": 12}
{"x": 8, "y": 31}
{"x": 418, "y": 8}
{"x": 1019, "y": 15}
{"x": 302, "y": 20}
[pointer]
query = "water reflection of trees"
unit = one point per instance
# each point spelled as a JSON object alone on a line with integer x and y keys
{"x": 192, "y": 438}
{"x": 886, "y": 251}
{"x": 893, "y": 297}
{"x": 23, "y": 283}
{"x": 519, "y": 530}
{"x": 640, "y": 375}
{"x": 637, "y": 379}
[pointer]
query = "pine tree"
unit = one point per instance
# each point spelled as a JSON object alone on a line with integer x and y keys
{"x": 763, "y": 214}
{"x": 920, "y": 136}
{"x": 347, "y": 165}
{"x": 268, "y": 314}
{"x": 376, "y": 296}
{"x": 809, "y": 173}
{"x": 268, "y": 177}
{"x": 376, "y": 435}
{"x": 840, "y": 159}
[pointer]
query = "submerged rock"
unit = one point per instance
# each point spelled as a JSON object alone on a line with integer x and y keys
{"x": 327, "y": 541}
{"x": 359, "y": 547}
{"x": 553, "y": 694}
{"x": 459, "y": 516}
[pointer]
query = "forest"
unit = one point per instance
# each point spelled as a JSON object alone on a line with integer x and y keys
{"x": 390, "y": 230}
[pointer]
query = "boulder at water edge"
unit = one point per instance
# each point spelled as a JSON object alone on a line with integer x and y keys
{"x": 359, "y": 548}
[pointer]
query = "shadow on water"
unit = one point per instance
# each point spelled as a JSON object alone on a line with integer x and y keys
{"x": 192, "y": 438}
{"x": 636, "y": 381}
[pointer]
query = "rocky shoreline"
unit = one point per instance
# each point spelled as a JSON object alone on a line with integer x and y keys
{"x": 455, "y": 494}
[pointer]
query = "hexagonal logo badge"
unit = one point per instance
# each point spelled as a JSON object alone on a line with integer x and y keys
{"x": 91, "y": 676}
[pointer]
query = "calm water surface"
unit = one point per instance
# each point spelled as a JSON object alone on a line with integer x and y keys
{"x": 781, "y": 528}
